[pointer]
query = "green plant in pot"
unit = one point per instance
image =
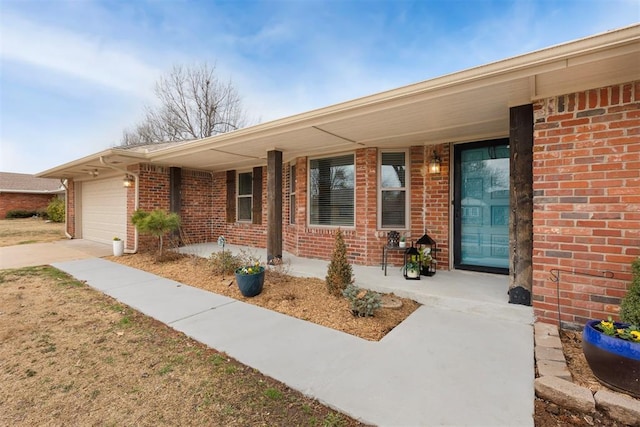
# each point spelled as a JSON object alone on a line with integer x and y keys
{"x": 412, "y": 269}
{"x": 250, "y": 279}
{"x": 612, "y": 349}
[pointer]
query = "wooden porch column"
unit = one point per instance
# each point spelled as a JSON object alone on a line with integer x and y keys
{"x": 274, "y": 206}
{"x": 521, "y": 204}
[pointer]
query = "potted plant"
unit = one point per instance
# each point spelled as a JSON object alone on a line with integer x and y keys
{"x": 412, "y": 270}
{"x": 118, "y": 246}
{"x": 403, "y": 242}
{"x": 250, "y": 279}
{"x": 612, "y": 349}
{"x": 428, "y": 264}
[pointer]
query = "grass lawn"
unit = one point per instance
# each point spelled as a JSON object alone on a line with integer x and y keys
{"x": 73, "y": 356}
{"x": 29, "y": 230}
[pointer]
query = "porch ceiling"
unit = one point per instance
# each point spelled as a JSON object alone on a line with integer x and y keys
{"x": 464, "y": 106}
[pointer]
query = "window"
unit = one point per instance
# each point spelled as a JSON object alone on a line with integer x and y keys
{"x": 292, "y": 194}
{"x": 331, "y": 191}
{"x": 393, "y": 190}
{"x": 245, "y": 196}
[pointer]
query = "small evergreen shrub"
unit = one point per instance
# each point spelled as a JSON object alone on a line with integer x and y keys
{"x": 630, "y": 306}
{"x": 156, "y": 223}
{"x": 339, "y": 272}
{"x": 364, "y": 303}
{"x": 55, "y": 210}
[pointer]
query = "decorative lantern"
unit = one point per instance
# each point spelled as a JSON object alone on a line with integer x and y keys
{"x": 393, "y": 239}
{"x": 434, "y": 164}
{"x": 412, "y": 264}
{"x": 427, "y": 251}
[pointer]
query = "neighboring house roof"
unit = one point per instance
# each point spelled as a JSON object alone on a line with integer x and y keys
{"x": 469, "y": 105}
{"x": 25, "y": 183}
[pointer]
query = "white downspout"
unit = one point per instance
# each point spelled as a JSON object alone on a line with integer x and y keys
{"x": 136, "y": 202}
{"x": 66, "y": 207}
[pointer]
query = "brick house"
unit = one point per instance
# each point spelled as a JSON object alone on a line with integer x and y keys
{"x": 529, "y": 166}
{"x": 19, "y": 191}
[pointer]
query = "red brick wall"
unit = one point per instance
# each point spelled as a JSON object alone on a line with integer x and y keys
{"x": 204, "y": 218}
{"x": 429, "y": 210}
{"x": 237, "y": 233}
{"x": 586, "y": 200}
{"x": 23, "y": 201}
{"x": 430, "y": 199}
{"x": 197, "y": 199}
{"x": 153, "y": 194}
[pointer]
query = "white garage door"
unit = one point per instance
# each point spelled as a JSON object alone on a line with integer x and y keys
{"x": 104, "y": 210}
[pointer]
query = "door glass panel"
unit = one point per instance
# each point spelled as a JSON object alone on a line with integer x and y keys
{"x": 484, "y": 206}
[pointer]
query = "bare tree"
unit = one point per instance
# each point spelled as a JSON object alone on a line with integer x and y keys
{"x": 193, "y": 103}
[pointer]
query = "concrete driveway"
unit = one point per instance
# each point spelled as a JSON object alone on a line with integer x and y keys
{"x": 46, "y": 253}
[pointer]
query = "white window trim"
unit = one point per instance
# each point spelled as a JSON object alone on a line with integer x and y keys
{"x": 355, "y": 192}
{"x": 238, "y": 197}
{"x": 406, "y": 188}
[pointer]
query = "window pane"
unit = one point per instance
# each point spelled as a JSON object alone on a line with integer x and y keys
{"x": 244, "y": 184}
{"x": 244, "y": 208}
{"x": 331, "y": 190}
{"x": 393, "y": 170}
{"x": 393, "y": 209}
{"x": 292, "y": 179}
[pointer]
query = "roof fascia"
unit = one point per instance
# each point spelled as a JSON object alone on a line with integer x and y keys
{"x": 59, "y": 171}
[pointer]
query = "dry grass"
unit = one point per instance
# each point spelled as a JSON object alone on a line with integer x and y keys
{"x": 73, "y": 356}
{"x": 29, "y": 230}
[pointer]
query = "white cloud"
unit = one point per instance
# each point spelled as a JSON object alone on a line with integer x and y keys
{"x": 77, "y": 55}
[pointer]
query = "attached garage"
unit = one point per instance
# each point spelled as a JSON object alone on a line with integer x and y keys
{"x": 104, "y": 210}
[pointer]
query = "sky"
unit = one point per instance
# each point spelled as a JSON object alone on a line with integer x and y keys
{"x": 75, "y": 74}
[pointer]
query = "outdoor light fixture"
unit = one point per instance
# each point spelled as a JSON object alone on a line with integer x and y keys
{"x": 434, "y": 164}
{"x": 128, "y": 181}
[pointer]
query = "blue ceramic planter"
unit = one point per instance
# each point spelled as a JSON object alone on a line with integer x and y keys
{"x": 614, "y": 362}
{"x": 250, "y": 285}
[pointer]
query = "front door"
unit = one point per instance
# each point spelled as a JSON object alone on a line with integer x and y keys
{"x": 481, "y": 206}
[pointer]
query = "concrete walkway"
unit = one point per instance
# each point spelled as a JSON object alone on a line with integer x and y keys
{"x": 45, "y": 253}
{"x": 440, "y": 367}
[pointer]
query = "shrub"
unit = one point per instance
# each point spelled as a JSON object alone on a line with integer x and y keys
{"x": 20, "y": 213}
{"x": 224, "y": 262}
{"x": 156, "y": 223}
{"x": 363, "y": 302}
{"x": 339, "y": 273}
{"x": 630, "y": 306}
{"x": 55, "y": 210}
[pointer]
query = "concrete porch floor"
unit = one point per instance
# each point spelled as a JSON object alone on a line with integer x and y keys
{"x": 469, "y": 292}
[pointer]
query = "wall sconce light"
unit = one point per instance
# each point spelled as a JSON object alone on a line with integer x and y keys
{"x": 128, "y": 181}
{"x": 434, "y": 164}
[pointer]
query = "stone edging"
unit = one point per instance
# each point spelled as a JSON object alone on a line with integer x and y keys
{"x": 554, "y": 382}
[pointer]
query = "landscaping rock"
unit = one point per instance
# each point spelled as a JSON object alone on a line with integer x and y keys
{"x": 552, "y": 368}
{"x": 549, "y": 353}
{"x": 548, "y": 341}
{"x": 565, "y": 394}
{"x": 619, "y": 406}
{"x": 542, "y": 329}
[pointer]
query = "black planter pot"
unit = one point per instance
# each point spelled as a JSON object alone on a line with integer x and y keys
{"x": 615, "y": 362}
{"x": 250, "y": 285}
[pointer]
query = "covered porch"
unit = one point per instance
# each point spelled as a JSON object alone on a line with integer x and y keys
{"x": 471, "y": 292}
